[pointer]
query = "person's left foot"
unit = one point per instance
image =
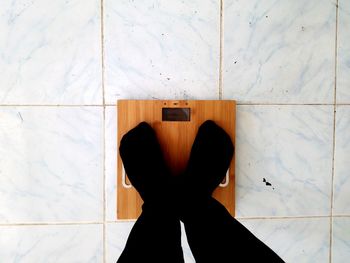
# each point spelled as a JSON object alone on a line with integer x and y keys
{"x": 210, "y": 157}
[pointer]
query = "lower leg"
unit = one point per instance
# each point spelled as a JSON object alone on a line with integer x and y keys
{"x": 215, "y": 236}
{"x": 212, "y": 233}
{"x": 155, "y": 237}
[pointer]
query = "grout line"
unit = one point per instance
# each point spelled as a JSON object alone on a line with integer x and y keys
{"x": 244, "y": 218}
{"x": 104, "y": 184}
{"x": 334, "y": 129}
{"x": 336, "y": 52}
{"x": 221, "y": 50}
{"x": 102, "y": 54}
{"x": 133, "y": 220}
{"x": 121, "y": 221}
{"x": 281, "y": 217}
{"x": 68, "y": 223}
{"x": 269, "y": 104}
{"x": 51, "y": 105}
{"x": 52, "y": 223}
{"x": 283, "y": 104}
{"x": 111, "y": 104}
{"x": 341, "y": 215}
{"x": 104, "y": 133}
{"x": 330, "y": 239}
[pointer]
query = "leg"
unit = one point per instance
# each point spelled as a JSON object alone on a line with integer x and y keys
{"x": 156, "y": 235}
{"x": 213, "y": 234}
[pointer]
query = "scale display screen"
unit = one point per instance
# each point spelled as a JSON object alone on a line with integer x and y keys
{"x": 176, "y": 114}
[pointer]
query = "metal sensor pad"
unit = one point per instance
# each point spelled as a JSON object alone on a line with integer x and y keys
{"x": 176, "y": 114}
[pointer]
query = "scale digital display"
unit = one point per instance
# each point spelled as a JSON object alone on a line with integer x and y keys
{"x": 176, "y": 114}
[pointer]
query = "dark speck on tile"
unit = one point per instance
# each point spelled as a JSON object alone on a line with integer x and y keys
{"x": 267, "y": 183}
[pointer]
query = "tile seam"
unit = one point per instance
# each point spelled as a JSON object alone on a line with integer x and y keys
{"x": 104, "y": 253}
{"x": 334, "y": 130}
{"x": 221, "y": 51}
{"x": 345, "y": 215}
{"x": 102, "y": 53}
{"x": 110, "y": 104}
{"x": 51, "y": 105}
{"x": 245, "y": 218}
{"x": 285, "y": 104}
{"x": 133, "y": 220}
{"x": 52, "y": 223}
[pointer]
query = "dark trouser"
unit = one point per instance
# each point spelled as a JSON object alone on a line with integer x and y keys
{"x": 213, "y": 234}
{"x": 155, "y": 237}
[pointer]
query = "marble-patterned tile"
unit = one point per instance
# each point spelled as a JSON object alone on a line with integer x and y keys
{"x": 341, "y": 202}
{"x": 343, "y": 66}
{"x": 111, "y": 152}
{"x": 162, "y": 49}
{"x": 50, "y": 52}
{"x": 51, "y": 165}
{"x": 116, "y": 237}
{"x": 294, "y": 240}
{"x": 118, "y": 233}
{"x": 188, "y": 256}
{"x": 51, "y": 243}
{"x": 279, "y": 51}
{"x": 283, "y": 160}
{"x": 341, "y": 240}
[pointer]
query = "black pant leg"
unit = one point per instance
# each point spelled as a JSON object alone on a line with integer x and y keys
{"x": 215, "y": 236}
{"x": 155, "y": 237}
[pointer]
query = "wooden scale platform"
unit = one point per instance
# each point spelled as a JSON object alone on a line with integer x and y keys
{"x": 176, "y": 123}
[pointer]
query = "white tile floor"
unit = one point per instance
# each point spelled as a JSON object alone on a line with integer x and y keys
{"x": 52, "y": 243}
{"x": 279, "y": 51}
{"x": 162, "y": 49}
{"x": 50, "y": 52}
{"x": 64, "y": 64}
{"x": 291, "y": 147}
